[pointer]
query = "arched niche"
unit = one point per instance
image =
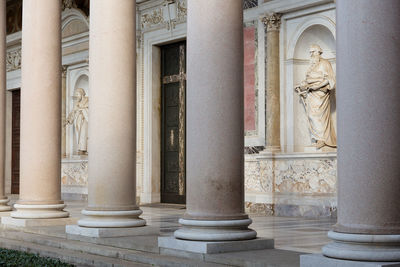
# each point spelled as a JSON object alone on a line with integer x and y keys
{"x": 82, "y": 82}
{"x": 323, "y": 36}
{"x": 74, "y": 22}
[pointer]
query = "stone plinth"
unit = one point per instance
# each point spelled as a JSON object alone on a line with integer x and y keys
{"x": 13, "y": 222}
{"x": 210, "y": 247}
{"x": 318, "y": 260}
{"x": 76, "y": 231}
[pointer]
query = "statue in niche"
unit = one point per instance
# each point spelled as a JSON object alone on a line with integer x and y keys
{"x": 79, "y": 117}
{"x": 315, "y": 92}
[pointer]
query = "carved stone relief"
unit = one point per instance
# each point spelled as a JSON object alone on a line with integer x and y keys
{"x": 295, "y": 186}
{"x": 167, "y": 15}
{"x": 13, "y": 60}
{"x": 182, "y": 10}
{"x": 153, "y": 18}
{"x": 250, "y": 4}
{"x": 272, "y": 22}
{"x": 74, "y": 173}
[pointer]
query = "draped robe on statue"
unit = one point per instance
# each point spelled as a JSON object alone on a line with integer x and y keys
{"x": 317, "y": 102}
{"x": 79, "y": 116}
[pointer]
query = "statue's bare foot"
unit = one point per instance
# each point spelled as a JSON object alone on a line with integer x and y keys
{"x": 320, "y": 144}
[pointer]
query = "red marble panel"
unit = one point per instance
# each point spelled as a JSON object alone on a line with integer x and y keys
{"x": 249, "y": 79}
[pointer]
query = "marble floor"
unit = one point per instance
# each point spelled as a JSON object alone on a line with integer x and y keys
{"x": 295, "y": 234}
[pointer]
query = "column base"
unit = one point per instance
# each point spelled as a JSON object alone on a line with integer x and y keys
{"x": 318, "y": 260}
{"x": 27, "y": 211}
{"x": 75, "y": 232}
{"x": 111, "y": 219}
{"x": 10, "y": 222}
{"x": 171, "y": 244}
{"x": 4, "y": 206}
{"x": 362, "y": 247}
{"x": 230, "y": 230}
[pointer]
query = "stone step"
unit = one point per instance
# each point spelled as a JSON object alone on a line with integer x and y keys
{"x": 77, "y": 258}
{"x": 47, "y": 243}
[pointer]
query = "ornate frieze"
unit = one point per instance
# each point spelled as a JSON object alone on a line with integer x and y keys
{"x": 291, "y": 185}
{"x": 297, "y": 175}
{"x": 250, "y": 4}
{"x": 13, "y": 60}
{"x": 153, "y": 18}
{"x": 182, "y": 10}
{"x": 166, "y": 15}
{"x": 74, "y": 172}
{"x": 272, "y": 22}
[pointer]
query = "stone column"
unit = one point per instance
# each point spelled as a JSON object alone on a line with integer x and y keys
{"x": 215, "y": 124}
{"x": 368, "y": 97}
{"x": 40, "y": 162}
{"x": 63, "y": 110}
{"x": 3, "y": 47}
{"x": 272, "y": 24}
{"x": 112, "y": 112}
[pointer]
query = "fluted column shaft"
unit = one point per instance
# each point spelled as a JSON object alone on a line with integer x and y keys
{"x": 272, "y": 24}
{"x": 215, "y": 123}
{"x": 40, "y": 158}
{"x": 368, "y": 109}
{"x": 3, "y": 47}
{"x": 112, "y": 116}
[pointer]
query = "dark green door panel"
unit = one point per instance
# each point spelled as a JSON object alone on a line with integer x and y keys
{"x": 173, "y": 149}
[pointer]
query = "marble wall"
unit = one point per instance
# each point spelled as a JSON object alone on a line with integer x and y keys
{"x": 74, "y": 178}
{"x": 291, "y": 184}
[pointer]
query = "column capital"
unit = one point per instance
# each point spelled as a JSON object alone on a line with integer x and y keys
{"x": 272, "y": 21}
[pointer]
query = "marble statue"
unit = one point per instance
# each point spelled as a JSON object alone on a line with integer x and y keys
{"x": 315, "y": 92}
{"x": 79, "y": 117}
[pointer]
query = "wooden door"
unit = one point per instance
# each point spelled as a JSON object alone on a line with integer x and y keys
{"x": 173, "y": 149}
{"x": 15, "y": 141}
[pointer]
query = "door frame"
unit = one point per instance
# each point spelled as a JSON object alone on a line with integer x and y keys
{"x": 149, "y": 111}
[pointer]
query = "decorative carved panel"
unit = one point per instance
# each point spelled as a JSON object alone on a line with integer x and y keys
{"x": 164, "y": 16}
{"x": 250, "y": 4}
{"x": 13, "y": 59}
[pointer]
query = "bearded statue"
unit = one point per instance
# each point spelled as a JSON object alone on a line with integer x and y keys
{"x": 315, "y": 93}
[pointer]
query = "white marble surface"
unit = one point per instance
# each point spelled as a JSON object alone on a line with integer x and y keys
{"x": 305, "y": 182}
